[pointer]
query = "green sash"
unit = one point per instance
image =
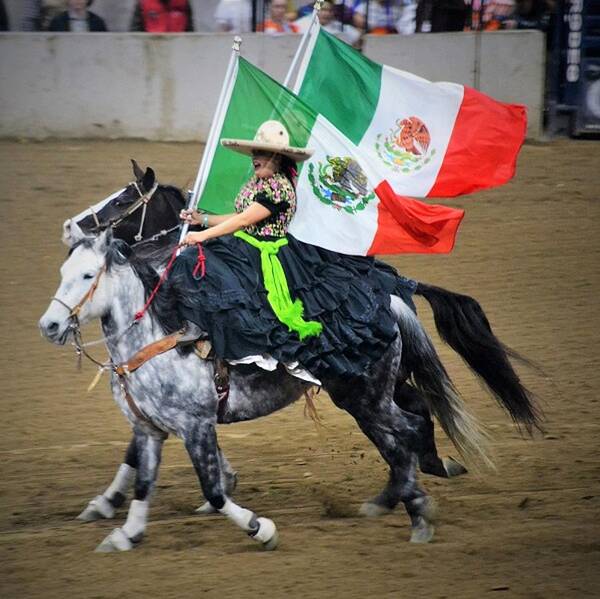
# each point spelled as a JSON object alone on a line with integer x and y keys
{"x": 288, "y": 312}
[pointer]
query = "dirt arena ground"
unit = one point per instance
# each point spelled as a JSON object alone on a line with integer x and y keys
{"x": 530, "y": 252}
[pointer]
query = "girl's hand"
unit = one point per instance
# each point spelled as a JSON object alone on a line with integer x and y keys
{"x": 193, "y": 238}
{"x": 191, "y": 217}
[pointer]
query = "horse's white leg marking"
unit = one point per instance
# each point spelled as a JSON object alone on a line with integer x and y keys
{"x": 123, "y": 539}
{"x": 148, "y": 446}
{"x": 103, "y": 506}
{"x": 262, "y": 530}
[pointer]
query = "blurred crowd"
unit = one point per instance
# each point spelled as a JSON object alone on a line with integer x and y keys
{"x": 347, "y": 18}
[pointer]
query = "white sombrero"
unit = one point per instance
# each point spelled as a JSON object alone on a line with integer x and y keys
{"x": 271, "y": 136}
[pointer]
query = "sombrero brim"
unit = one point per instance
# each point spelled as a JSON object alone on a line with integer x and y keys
{"x": 244, "y": 146}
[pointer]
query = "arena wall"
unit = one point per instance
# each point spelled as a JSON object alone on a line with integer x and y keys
{"x": 123, "y": 85}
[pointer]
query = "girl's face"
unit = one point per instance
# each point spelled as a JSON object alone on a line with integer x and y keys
{"x": 266, "y": 164}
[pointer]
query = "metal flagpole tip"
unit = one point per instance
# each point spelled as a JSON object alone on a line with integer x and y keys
{"x": 237, "y": 42}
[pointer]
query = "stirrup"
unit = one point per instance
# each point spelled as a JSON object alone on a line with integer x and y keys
{"x": 191, "y": 333}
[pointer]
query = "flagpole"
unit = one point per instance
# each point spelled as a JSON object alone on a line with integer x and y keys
{"x": 213, "y": 134}
{"x": 303, "y": 42}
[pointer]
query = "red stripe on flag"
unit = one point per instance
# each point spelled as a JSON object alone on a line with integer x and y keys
{"x": 405, "y": 225}
{"x": 483, "y": 147}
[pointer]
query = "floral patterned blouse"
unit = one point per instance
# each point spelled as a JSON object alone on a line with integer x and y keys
{"x": 277, "y": 195}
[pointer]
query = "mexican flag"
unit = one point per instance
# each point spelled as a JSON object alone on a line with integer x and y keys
{"x": 431, "y": 139}
{"x": 345, "y": 203}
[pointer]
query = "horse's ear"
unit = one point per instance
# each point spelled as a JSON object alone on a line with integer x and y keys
{"x": 67, "y": 238}
{"x": 148, "y": 180}
{"x": 72, "y": 233}
{"x": 104, "y": 240}
{"x": 138, "y": 173}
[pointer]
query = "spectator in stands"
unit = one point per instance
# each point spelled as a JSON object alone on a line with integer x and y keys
{"x": 386, "y": 16}
{"x": 162, "y": 16}
{"x": 327, "y": 19}
{"x": 77, "y": 18}
{"x": 531, "y": 14}
{"x": 234, "y": 16}
{"x": 448, "y": 15}
{"x": 37, "y": 14}
{"x": 278, "y": 21}
{"x": 491, "y": 15}
{"x": 292, "y": 10}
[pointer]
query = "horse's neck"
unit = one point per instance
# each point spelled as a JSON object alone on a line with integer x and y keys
{"x": 122, "y": 337}
{"x": 170, "y": 208}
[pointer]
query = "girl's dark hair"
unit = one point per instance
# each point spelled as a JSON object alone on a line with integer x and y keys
{"x": 289, "y": 169}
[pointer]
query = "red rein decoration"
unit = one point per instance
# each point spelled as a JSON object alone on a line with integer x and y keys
{"x": 200, "y": 265}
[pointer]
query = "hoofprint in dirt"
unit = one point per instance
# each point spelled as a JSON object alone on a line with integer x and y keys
{"x": 528, "y": 252}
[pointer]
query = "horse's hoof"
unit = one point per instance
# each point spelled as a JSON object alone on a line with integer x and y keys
{"x": 117, "y": 540}
{"x": 374, "y": 510}
{"x": 453, "y": 468}
{"x": 206, "y": 509}
{"x": 97, "y": 509}
{"x": 266, "y": 534}
{"x": 422, "y": 532}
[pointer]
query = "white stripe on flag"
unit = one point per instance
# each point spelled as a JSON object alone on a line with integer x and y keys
{"x": 325, "y": 224}
{"x": 402, "y": 96}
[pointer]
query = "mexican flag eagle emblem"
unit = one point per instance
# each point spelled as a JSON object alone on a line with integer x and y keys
{"x": 406, "y": 148}
{"x": 340, "y": 183}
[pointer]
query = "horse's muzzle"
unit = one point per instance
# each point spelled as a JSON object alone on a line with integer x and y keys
{"x": 53, "y": 331}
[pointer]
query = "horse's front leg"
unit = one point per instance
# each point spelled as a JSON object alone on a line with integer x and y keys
{"x": 148, "y": 448}
{"x": 104, "y": 505}
{"x": 229, "y": 478}
{"x": 201, "y": 443}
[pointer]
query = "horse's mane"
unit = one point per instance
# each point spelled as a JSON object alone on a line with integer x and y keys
{"x": 163, "y": 306}
{"x": 174, "y": 189}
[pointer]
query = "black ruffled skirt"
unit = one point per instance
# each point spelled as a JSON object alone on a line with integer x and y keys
{"x": 348, "y": 295}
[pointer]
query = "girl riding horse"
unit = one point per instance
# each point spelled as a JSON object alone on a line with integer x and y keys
{"x": 266, "y": 293}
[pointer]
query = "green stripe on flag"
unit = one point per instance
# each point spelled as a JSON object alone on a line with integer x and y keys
{"x": 256, "y": 98}
{"x": 343, "y": 84}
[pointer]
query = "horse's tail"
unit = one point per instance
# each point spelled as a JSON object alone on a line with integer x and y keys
{"x": 421, "y": 362}
{"x": 463, "y": 325}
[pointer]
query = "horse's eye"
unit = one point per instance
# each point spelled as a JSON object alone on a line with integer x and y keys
{"x": 87, "y": 276}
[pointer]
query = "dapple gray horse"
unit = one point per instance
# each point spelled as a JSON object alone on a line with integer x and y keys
{"x": 145, "y": 214}
{"x": 175, "y": 393}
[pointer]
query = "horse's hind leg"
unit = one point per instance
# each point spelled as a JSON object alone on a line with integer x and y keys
{"x": 201, "y": 443}
{"x": 410, "y": 400}
{"x": 148, "y": 448}
{"x": 389, "y": 429}
{"x": 103, "y": 506}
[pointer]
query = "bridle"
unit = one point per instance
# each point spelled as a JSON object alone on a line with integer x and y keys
{"x": 141, "y": 202}
{"x": 74, "y": 324}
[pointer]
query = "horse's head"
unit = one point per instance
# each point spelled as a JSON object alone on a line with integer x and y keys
{"x": 84, "y": 291}
{"x": 139, "y": 211}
